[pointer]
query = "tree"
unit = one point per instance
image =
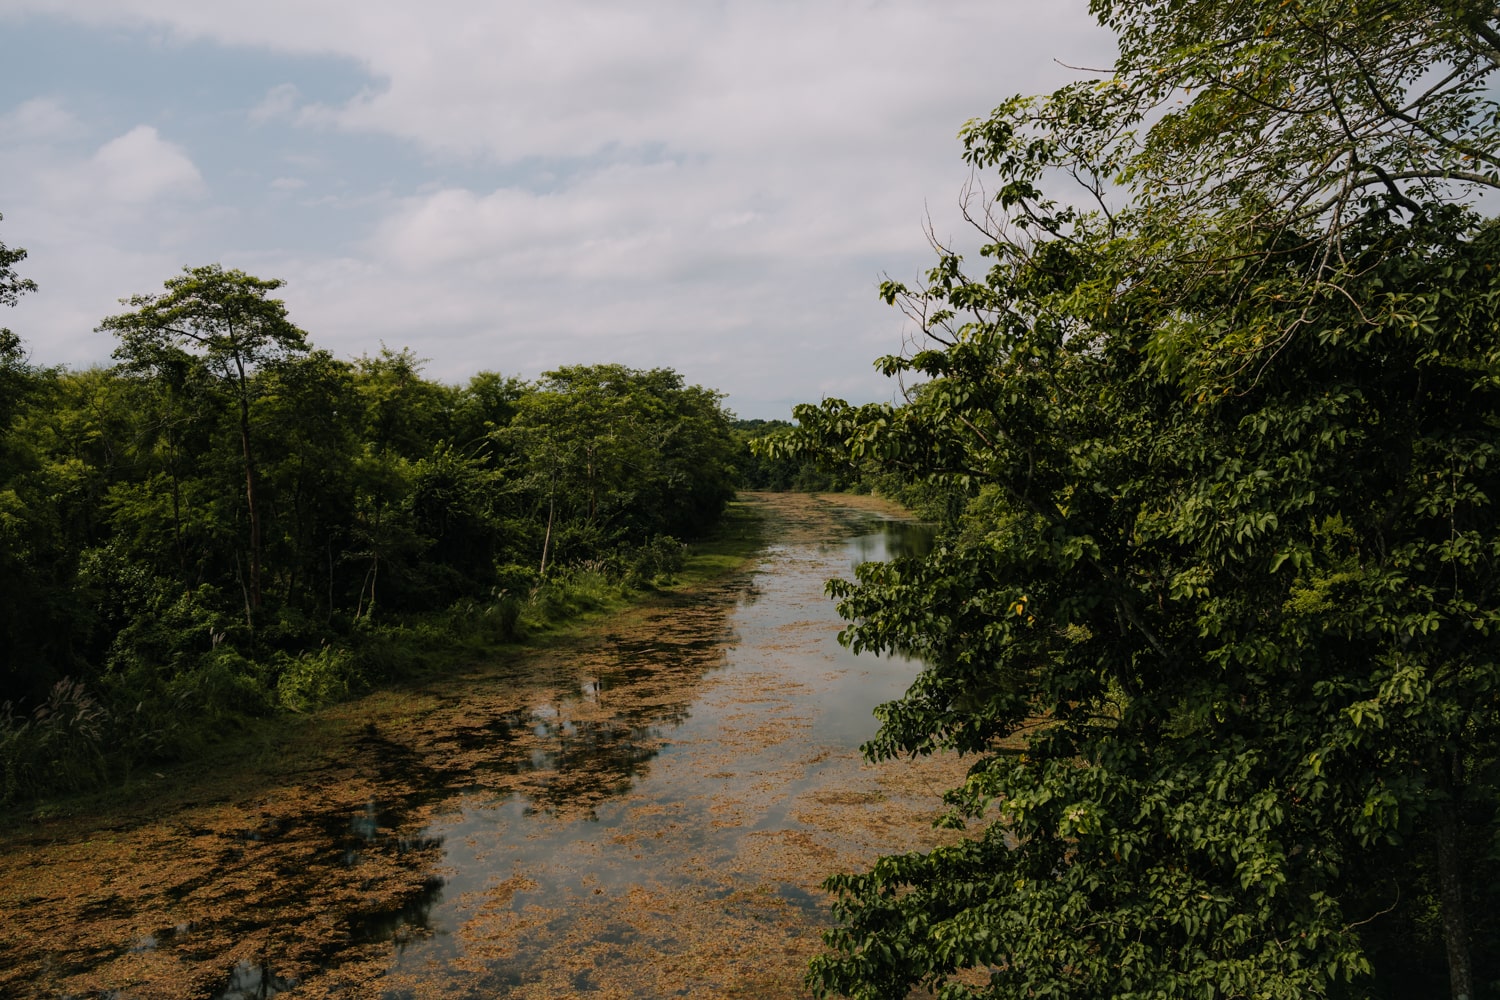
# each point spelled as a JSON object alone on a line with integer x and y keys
{"x": 618, "y": 455}
{"x": 12, "y": 285}
{"x": 13, "y": 367}
{"x": 229, "y": 324}
{"x": 19, "y": 574}
{"x": 1220, "y": 623}
{"x": 310, "y": 410}
{"x": 403, "y": 412}
{"x": 482, "y": 407}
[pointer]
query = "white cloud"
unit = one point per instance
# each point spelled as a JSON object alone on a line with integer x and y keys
{"x": 141, "y": 166}
{"x": 123, "y": 175}
{"x": 565, "y": 78}
{"x": 666, "y": 182}
{"x": 100, "y": 221}
{"x": 41, "y": 119}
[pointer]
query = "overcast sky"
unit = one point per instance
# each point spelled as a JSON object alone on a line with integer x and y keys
{"x": 711, "y": 186}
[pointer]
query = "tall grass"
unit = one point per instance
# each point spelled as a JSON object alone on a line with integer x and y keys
{"x": 58, "y": 746}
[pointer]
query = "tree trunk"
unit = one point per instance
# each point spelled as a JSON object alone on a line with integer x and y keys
{"x": 240, "y": 579}
{"x": 177, "y": 543}
{"x": 329, "y": 549}
{"x": 547, "y": 539}
{"x": 1451, "y": 895}
{"x": 251, "y": 504}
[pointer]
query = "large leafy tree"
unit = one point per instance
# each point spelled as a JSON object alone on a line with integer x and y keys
{"x": 20, "y": 576}
{"x": 226, "y": 322}
{"x": 1219, "y": 623}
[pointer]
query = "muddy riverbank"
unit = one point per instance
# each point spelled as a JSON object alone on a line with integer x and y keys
{"x": 643, "y": 810}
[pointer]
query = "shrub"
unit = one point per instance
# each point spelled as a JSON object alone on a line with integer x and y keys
{"x": 318, "y": 678}
{"x": 658, "y": 561}
{"x": 56, "y": 748}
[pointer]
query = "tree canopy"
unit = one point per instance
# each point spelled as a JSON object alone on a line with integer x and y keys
{"x": 230, "y": 521}
{"x": 224, "y": 321}
{"x": 1218, "y": 619}
{"x": 12, "y": 356}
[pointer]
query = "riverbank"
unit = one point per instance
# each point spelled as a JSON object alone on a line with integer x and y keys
{"x": 319, "y": 855}
{"x": 262, "y": 745}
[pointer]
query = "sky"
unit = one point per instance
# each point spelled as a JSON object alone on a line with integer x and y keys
{"x": 709, "y": 186}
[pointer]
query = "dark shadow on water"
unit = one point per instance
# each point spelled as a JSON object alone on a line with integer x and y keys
{"x": 591, "y": 762}
{"x": 889, "y": 540}
{"x": 254, "y": 981}
{"x": 403, "y": 925}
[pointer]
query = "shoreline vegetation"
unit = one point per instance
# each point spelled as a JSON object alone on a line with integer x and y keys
{"x": 229, "y": 526}
{"x": 266, "y": 745}
{"x": 1218, "y": 399}
{"x": 578, "y": 611}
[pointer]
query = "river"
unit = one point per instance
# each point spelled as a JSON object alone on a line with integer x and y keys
{"x": 645, "y": 811}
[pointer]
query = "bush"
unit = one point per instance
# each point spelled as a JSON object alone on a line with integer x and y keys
{"x": 658, "y": 561}
{"x": 58, "y": 748}
{"x": 492, "y": 623}
{"x": 571, "y": 591}
{"x": 313, "y": 679}
{"x": 224, "y": 687}
{"x": 515, "y": 580}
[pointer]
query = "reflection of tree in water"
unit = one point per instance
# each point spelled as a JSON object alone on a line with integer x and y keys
{"x": 594, "y": 731}
{"x": 401, "y": 924}
{"x": 652, "y": 682}
{"x": 316, "y": 857}
{"x": 254, "y": 981}
{"x": 750, "y": 594}
{"x": 591, "y": 762}
{"x": 894, "y": 540}
{"x": 907, "y": 540}
{"x": 646, "y": 687}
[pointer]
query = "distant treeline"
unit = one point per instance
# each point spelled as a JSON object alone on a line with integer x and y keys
{"x": 781, "y": 473}
{"x": 763, "y": 464}
{"x": 229, "y": 521}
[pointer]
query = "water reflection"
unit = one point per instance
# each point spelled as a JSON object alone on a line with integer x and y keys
{"x": 589, "y": 761}
{"x": 254, "y": 981}
{"x": 894, "y": 540}
{"x": 401, "y": 925}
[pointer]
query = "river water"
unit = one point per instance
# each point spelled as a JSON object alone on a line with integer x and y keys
{"x": 645, "y": 812}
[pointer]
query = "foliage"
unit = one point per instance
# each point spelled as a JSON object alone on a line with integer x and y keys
{"x": 312, "y": 679}
{"x": 13, "y": 367}
{"x": 230, "y": 522}
{"x": 610, "y": 454}
{"x": 12, "y": 285}
{"x": 760, "y": 468}
{"x": 12, "y": 357}
{"x": 224, "y": 322}
{"x": 1218, "y": 622}
{"x": 60, "y": 746}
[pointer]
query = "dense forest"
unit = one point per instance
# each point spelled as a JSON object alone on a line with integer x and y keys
{"x": 228, "y": 522}
{"x": 1217, "y": 614}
